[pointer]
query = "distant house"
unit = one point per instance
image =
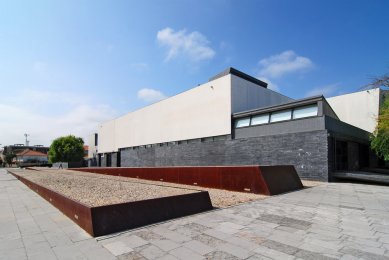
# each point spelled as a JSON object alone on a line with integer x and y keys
{"x": 29, "y": 157}
{"x": 17, "y": 148}
{"x": 86, "y": 150}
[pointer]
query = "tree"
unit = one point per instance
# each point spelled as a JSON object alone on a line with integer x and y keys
{"x": 66, "y": 149}
{"x": 382, "y": 81}
{"x": 8, "y": 157}
{"x": 380, "y": 137}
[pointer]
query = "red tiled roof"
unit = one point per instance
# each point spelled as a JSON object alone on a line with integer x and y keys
{"x": 29, "y": 152}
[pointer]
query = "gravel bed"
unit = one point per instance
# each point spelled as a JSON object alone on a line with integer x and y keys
{"x": 94, "y": 191}
{"x": 219, "y": 198}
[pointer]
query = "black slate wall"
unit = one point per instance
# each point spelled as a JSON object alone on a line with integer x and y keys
{"x": 307, "y": 151}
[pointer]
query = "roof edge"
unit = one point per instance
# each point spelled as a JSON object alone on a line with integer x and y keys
{"x": 239, "y": 74}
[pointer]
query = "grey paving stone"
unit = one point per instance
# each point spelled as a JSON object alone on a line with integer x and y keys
{"x": 308, "y": 255}
{"x": 349, "y": 257}
{"x": 57, "y": 239}
{"x": 134, "y": 241}
{"x": 235, "y": 250}
{"x": 258, "y": 257}
{"x": 350, "y": 241}
{"x": 220, "y": 255}
{"x": 242, "y": 242}
{"x": 37, "y": 247}
{"x": 147, "y": 234}
{"x": 68, "y": 252}
{"x": 118, "y": 248}
{"x": 230, "y": 225}
{"x": 196, "y": 227}
{"x": 290, "y": 250}
{"x": 131, "y": 256}
{"x": 362, "y": 254}
{"x": 98, "y": 253}
{"x": 14, "y": 254}
{"x": 209, "y": 240}
{"x": 273, "y": 254}
{"x": 175, "y": 236}
{"x": 11, "y": 244}
{"x": 369, "y": 249}
{"x": 49, "y": 255}
{"x": 251, "y": 236}
{"x": 152, "y": 252}
{"x": 168, "y": 257}
{"x": 185, "y": 253}
{"x": 198, "y": 247}
{"x": 165, "y": 244}
{"x": 272, "y": 218}
{"x": 186, "y": 231}
{"x": 333, "y": 244}
{"x": 286, "y": 238}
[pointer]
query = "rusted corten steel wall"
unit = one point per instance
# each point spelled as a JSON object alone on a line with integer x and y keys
{"x": 104, "y": 220}
{"x": 268, "y": 180}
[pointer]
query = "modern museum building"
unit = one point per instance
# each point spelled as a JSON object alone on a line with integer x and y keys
{"x": 234, "y": 119}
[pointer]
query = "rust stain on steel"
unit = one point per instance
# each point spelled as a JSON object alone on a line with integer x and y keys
{"x": 103, "y": 220}
{"x": 268, "y": 180}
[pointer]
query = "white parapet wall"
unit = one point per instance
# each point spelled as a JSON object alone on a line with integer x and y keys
{"x": 359, "y": 109}
{"x": 199, "y": 112}
{"x": 203, "y": 111}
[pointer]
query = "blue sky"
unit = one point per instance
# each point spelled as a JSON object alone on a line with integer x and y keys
{"x": 66, "y": 66}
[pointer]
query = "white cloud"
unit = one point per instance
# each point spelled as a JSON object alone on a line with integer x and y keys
{"x": 46, "y": 122}
{"x": 270, "y": 84}
{"x": 284, "y": 63}
{"x": 326, "y": 91}
{"x": 150, "y": 95}
{"x": 194, "y": 45}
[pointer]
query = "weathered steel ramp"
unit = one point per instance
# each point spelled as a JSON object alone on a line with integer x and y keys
{"x": 268, "y": 180}
{"x": 104, "y": 220}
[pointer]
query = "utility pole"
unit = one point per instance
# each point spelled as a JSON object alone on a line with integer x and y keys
{"x": 27, "y": 142}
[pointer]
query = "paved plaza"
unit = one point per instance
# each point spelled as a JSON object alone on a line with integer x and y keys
{"x": 330, "y": 221}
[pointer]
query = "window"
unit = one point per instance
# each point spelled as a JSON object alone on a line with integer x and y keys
{"x": 306, "y": 111}
{"x": 193, "y": 141}
{"x": 220, "y": 138}
{"x": 260, "y": 119}
{"x": 242, "y": 122}
{"x": 281, "y": 116}
{"x": 207, "y": 139}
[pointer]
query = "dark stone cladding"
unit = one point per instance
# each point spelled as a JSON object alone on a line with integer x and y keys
{"x": 307, "y": 151}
